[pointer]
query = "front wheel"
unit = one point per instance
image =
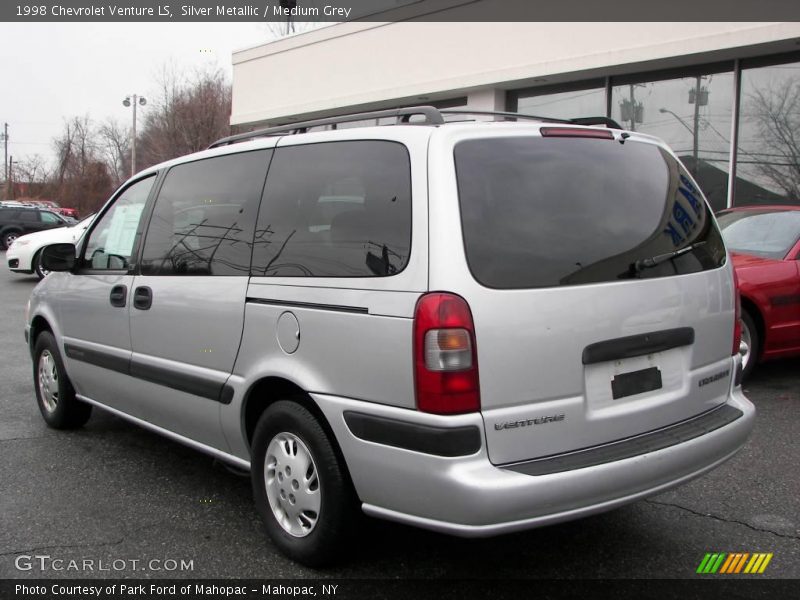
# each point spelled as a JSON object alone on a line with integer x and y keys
{"x": 300, "y": 486}
{"x": 54, "y": 392}
{"x": 40, "y": 271}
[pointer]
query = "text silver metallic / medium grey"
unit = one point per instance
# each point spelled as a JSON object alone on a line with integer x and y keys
{"x": 473, "y": 327}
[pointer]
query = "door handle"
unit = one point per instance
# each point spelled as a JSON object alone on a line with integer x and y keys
{"x": 142, "y": 298}
{"x": 119, "y": 296}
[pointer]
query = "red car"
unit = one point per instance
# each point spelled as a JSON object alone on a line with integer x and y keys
{"x": 68, "y": 212}
{"x": 765, "y": 245}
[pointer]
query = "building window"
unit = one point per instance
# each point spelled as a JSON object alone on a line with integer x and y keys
{"x": 588, "y": 99}
{"x": 768, "y": 155}
{"x": 693, "y": 115}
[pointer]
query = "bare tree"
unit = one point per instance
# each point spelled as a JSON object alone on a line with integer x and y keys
{"x": 775, "y": 110}
{"x": 187, "y": 114}
{"x": 114, "y": 141}
{"x": 81, "y": 179}
{"x": 31, "y": 178}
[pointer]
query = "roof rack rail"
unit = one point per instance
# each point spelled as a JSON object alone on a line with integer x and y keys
{"x": 611, "y": 123}
{"x": 511, "y": 115}
{"x": 432, "y": 116}
{"x": 403, "y": 115}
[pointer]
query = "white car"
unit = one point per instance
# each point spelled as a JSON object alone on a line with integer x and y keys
{"x": 24, "y": 253}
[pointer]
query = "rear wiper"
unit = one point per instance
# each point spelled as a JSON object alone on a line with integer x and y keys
{"x": 648, "y": 263}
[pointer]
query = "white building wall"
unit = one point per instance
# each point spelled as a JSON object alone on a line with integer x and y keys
{"x": 372, "y": 65}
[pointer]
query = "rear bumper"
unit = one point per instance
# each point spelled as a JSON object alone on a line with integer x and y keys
{"x": 469, "y": 496}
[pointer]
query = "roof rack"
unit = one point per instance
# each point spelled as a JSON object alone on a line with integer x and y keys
{"x": 511, "y": 115}
{"x": 432, "y": 116}
{"x": 403, "y": 115}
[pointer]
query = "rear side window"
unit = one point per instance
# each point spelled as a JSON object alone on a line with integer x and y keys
{"x": 545, "y": 212}
{"x": 29, "y": 216}
{"x": 48, "y": 217}
{"x": 205, "y": 215}
{"x": 336, "y": 209}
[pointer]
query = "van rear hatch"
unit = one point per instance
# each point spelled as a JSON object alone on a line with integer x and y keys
{"x": 601, "y": 312}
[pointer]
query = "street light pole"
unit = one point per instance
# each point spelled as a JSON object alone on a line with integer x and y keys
{"x": 133, "y": 100}
{"x": 691, "y": 130}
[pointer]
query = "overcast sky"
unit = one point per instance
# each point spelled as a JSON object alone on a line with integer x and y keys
{"x": 53, "y": 71}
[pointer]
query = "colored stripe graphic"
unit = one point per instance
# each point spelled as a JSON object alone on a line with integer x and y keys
{"x": 703, "y": 563}
{"x": 718, "y": 564}
{"x": 727, "y": 565}
{"x": 734, "y": 562}
{"x": 765, "y": 563}
{"x": 733, "y": 559}
{"x": 755, "y": 562}
{"x": 740, "y": 562}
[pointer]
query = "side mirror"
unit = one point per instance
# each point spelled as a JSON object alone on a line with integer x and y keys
{"x": 59, "y": 257}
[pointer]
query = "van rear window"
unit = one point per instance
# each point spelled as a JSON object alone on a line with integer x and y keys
{"x": 545, "y": 212}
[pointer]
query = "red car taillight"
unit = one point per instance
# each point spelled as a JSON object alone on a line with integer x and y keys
{"x": 445, "y": 355}
{"x": 737, "y": 316}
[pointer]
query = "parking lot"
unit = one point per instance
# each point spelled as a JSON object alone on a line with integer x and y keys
{"x": 113, "y": 492}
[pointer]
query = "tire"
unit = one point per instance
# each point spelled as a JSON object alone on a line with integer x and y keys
{"x": 751, "y": 337}
{"x": 313, "y": 528}
{"x": 8, "y": 237}
{"x": 40, "y": 271}
{"x": 54, "y": 392}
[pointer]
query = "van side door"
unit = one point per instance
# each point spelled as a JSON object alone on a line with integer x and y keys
{"x": 187, "y": 302}
{"x": 93, "y": 302}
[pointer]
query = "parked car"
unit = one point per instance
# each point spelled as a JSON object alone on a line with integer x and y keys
{"x": 765, "y": 242}
{"x": 71, "y": 213}
{"x": 25, "y": 253}
{"x": 471, "y": 327}
{"x": 17, "y": 220}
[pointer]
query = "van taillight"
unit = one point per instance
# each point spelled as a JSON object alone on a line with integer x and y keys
{"x": 445, "y": 355}
{"x": 737, "y": 316}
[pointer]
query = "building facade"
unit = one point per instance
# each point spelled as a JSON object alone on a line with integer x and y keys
{"x": 725, "y": 96}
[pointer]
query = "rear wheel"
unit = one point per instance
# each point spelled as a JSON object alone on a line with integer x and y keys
{"x": 37, "y": 266}
{"x": 54, "y": 392}
{"x": 751, "y": 339}
{"x": 300, "y": 486}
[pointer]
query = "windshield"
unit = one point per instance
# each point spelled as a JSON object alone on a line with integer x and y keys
{"x": 545, "y": 212}
{"x": 770, "y": 234}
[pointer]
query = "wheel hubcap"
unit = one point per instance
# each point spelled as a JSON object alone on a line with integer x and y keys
{"x": 10, "y": 239}
{"x": 747, "y": 343}
{"x": 292, "y": 484}
{"x": 48, "y": 380}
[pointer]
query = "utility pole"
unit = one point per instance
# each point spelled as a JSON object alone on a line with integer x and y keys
{"x": 10, "y": 179}
{"x": 697, "y": 98}
{"x": 5, "y": 155}
{"x": 633, "y": 110}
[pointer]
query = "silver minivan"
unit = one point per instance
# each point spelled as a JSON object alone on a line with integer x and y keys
{"x": 475, "y": 327}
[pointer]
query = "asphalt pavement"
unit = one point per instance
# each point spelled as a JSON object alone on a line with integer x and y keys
{"x": 139, "y": 505}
